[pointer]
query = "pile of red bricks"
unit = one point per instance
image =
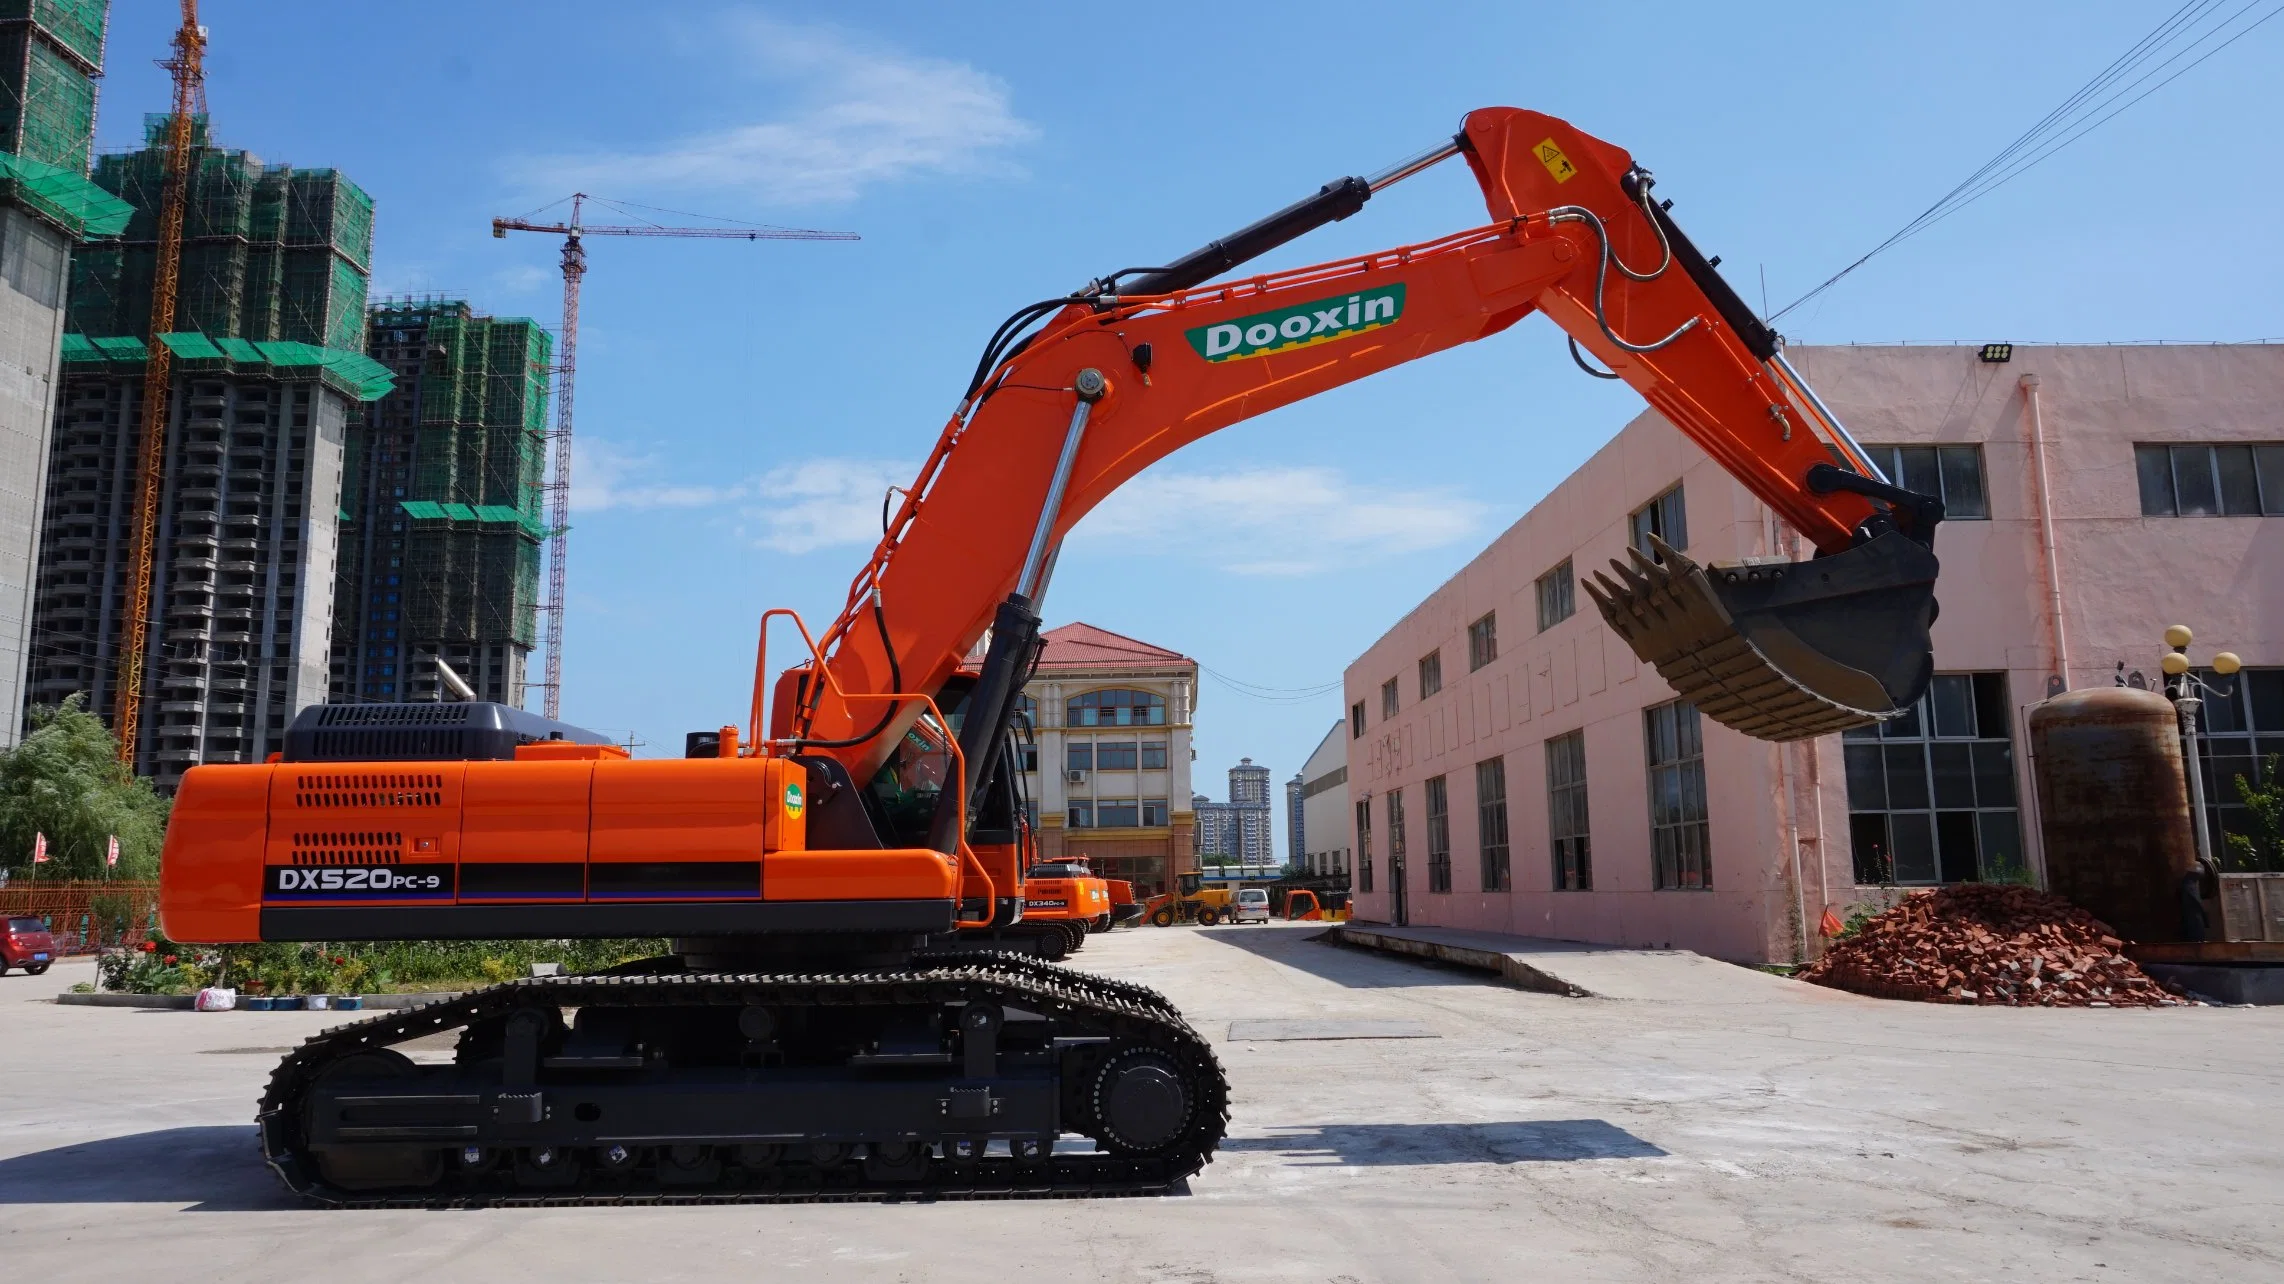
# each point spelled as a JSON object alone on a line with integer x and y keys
{"x": 1988, "y": 943}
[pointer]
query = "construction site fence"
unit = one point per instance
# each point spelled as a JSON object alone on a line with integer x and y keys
{"x": 86, "y": 915}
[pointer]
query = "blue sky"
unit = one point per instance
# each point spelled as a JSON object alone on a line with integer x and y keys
{"x": 742, "y": 404}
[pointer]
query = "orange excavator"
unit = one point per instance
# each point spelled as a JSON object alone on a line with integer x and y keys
{"x": 819, "y": 1028}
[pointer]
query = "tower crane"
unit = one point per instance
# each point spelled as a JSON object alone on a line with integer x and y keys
{"x": 188, "y": 67}
{"x": 558, "y": 485}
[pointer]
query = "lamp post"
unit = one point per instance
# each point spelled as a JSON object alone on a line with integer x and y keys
{"x": 2182, "y": 686}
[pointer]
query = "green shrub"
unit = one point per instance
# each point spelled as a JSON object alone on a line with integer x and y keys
{"x": 307, "y": 967}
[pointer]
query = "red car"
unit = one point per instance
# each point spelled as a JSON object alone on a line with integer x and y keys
{"x": 26, "y": 944}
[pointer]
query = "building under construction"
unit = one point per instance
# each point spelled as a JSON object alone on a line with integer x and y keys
{"x": 269, "y": 365}
{"x": 51, "y": 51}
{"x": 440, "y": 507}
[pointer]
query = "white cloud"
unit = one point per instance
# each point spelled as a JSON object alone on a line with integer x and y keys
{"x": 1278, "y": 521}
{"x": 523, "y": 278}
{"x": 823, "y": 503}
{"x": 793, "y": 508}
{"x": 860, "y": 115}
{"x": 603, "y": 477}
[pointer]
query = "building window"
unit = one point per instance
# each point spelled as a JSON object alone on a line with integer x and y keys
{"x": 1388, "y": 698}
{"x": 1396, "y": 870}
{"x": 2242, "y": 731}
{"x": 1567, "y": 824}
{"x": 1154, "y": 814}
{"x": 1078, "y": 755}
{"x": 1558, "y": 596}
{"x": 1431, "y": 673}
{"x": 1931, "y": 793}
{"x": 1364, "y": 844}
{"x": 1115, "y": 755}
{"x": 1953, "y": 474}
{"x": 1439, "y": 835}
{"x": 2211, "y": 480}
{"x": 1028, "y": 708}
{"x": 1356, "y": 721}
{"x": 1491, "y": 822}
{"x": 1153, "y": 755}
{"x": 1078, "y": 814}
{"x": 1116, "y": 708}
{"x": 1483, "y": 641}
{"x": 1665, "y": 517}
{"x": 1679, "y": 827}
{"x": 1027, "y": 757}
{"x": 1116, "y": 813}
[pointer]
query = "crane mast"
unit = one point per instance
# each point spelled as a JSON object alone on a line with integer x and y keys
{"x": 558, "y": 484}
{"x": 188, "y": 69}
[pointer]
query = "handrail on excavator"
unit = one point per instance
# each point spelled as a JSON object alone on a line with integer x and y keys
{"x": 759, "y": 746}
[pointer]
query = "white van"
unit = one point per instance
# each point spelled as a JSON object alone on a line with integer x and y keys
{"x": 1252, "y": 906}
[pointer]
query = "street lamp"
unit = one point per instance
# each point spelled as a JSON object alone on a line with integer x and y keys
{"x": 2182, "y": 687}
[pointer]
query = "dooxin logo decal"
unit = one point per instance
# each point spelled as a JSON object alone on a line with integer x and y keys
{"x": 1300, "y": 326}
{"x": 793, "y": 802}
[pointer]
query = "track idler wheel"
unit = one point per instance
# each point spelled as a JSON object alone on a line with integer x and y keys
{"x": 1782, "y": 650}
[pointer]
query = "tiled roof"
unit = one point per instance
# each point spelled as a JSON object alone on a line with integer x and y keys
{"x": 1076, "y": 645}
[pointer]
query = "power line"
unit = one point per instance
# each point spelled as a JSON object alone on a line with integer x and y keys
{"x": 2074, "y": 118}
{"x": 1272, "y": 695}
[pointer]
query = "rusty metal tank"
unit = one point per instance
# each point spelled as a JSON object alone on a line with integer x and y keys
{"x": 2113, "y": 806}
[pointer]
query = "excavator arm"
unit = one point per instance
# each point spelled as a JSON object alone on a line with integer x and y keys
{"x": 1119, "y": 375}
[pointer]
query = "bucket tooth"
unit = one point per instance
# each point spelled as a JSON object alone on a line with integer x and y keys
{"x": 1781, "y": 651}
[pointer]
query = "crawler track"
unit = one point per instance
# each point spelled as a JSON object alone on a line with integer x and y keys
{"x": 1122, "y": 1018}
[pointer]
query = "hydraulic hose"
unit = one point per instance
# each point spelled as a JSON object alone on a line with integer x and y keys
{"x": 895, "y": 683}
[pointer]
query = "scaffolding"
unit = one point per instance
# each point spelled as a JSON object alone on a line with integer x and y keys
{"x": 270, "y": 252}
{"x": 441, "y": 509}
{"x": 50, "y": 53}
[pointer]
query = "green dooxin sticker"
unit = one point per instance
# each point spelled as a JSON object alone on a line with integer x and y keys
{"x": 793, "y": 801}
{"x": 1299, "y": 326}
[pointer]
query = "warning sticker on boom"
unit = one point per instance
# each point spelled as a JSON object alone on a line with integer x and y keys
{"x": 1556, "y": 163}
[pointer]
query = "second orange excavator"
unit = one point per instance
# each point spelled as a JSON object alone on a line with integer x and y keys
{"x": 819, "y": 1028}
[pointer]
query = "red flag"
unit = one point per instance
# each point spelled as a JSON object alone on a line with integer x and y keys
{"x": 1831, "y": 926}
{"x": 39, "y": 849}
{"x": 111, "y": 857}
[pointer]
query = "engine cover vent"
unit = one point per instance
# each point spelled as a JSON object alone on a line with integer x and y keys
{"x": 425, "y": 732}
{"x": 368, "y": 789}
{"x": 354, "y": 848}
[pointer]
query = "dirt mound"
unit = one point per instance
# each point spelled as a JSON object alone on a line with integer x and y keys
{"x": 1987, "y": 943}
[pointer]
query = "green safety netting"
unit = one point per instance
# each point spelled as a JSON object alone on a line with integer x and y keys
{"x": 62, "y": 197}
{"x": 75, "y": 24}
{"x": 352, "y": 373}
{"x": 428, "y": 510}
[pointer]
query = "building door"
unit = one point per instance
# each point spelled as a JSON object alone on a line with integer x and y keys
{"x": 1399, "y": 903}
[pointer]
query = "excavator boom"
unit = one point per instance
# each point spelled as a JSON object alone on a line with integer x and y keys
{"x": 1575, "y": 235}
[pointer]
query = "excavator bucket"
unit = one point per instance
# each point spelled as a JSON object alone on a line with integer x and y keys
{"x": 1782, "y": 650}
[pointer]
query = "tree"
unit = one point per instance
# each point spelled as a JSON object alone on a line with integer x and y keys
{"x": 66, "y": 781}
{"x": 2263, "y": 849}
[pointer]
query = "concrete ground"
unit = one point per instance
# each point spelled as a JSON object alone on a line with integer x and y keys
{"x": 1762, "y": 1131}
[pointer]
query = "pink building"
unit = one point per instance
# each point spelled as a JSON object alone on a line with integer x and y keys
{"x": 1513, "y": 768}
